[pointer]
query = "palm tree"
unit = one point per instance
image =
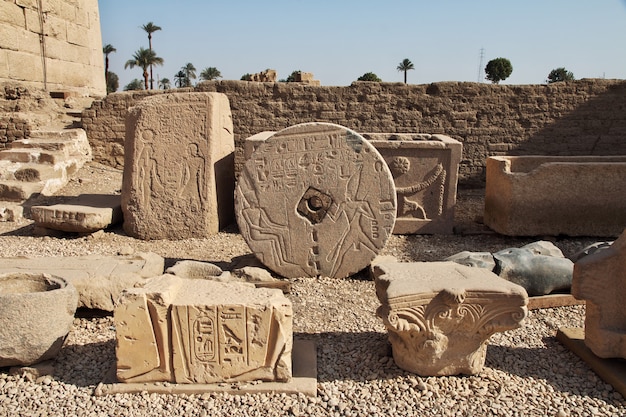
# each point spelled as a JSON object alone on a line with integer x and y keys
{"x": 405, "y": 65}
{"x": 107, "y": 49}
{"x": 210, "y": 73}
{"x": 165, "y": 84}
{"x": 190, "y": 72}
{"x": 180, "y": 79}
{"x": 144, "y": 58}
{"x": 150, "y": 28}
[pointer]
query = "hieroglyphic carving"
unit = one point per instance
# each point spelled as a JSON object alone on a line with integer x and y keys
{"x": 440, "y": 324}
{"x": 197, "y": 335}
{"x": 179, "y": 160}
{"x": 315, "y": 199}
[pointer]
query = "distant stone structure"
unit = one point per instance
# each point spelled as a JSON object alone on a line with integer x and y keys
{"x": 267, "y": 76}
{"x": 201, "y": 331}
{"x": 315, "y": 199}
{"x": 179, "y": 167}
{"x": 600, "y": 280}
{"x": 306, "y": 78}
{"x": 440, "y": 315}
{"x": 54, "y": 45}
{"x": 556, "y": 195}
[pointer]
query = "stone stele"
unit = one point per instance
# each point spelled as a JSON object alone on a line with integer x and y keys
{"x": 179, "y": 166}
{"x": 36, "y": 314}
{"x": 199, "y": 331}
{"x": 600, "y": 280}
{"x": 315, "y": 199}
{"x": 439, "y": 315}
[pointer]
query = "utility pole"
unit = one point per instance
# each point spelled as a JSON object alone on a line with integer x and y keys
{"x": 480, "y": 65}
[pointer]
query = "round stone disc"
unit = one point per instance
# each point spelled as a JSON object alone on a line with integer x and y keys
{"x": 315, "y": 199}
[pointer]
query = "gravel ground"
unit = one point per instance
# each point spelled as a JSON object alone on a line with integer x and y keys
{"x": 527, "y": 372}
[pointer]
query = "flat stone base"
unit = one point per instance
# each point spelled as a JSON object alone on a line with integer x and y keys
{"x": 553, "y": 300}
{"x": 612, "y": 371}
{"x": 304, "y": 380}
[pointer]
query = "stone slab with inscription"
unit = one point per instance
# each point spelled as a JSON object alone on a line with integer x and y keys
{"x": 99, "y": 279}
{"x": 315, "y": 199}
{"x": 84, "y": 214}
{"x": 200, "y": 331}
{"x": 425, "y": 171}
{"x": 440, "y": 315}
{"x": 179, "y": 166}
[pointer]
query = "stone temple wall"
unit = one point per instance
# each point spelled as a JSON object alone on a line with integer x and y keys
{"x": 54, "y": 45}
{"x": 584, "y": 117}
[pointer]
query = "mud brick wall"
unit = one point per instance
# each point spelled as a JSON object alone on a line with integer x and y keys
{"x": 584, "y": 117}
{"x": 12, "y": 128}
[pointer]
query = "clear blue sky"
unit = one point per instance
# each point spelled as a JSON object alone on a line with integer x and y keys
{"x": 340, "y": 40}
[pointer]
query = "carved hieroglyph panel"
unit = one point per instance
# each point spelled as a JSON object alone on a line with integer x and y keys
{"x": 315, "y": 199}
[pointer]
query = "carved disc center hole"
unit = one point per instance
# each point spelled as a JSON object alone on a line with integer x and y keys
{"x": 315, "y": 203}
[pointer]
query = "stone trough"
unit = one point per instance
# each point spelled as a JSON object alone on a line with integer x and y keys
{"x": 556, "y": 195}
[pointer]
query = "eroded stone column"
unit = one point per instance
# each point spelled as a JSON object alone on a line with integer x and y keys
{"x": 315, "y": 199}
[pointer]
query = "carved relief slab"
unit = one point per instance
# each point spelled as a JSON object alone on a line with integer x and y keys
{"x": 315, "y": 199}
{"x": 439, "y": 315}
{"x": 196, "y": 331}
{"x": 425, "y": 172}
{"x": 179, "y": 166}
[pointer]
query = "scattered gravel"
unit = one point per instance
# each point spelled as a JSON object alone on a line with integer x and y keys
{"x": 527, "y": 372}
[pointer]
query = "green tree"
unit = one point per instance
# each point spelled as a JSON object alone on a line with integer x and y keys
{"x": 135, "y": 84}
{"x": 165, "y": 84}
{"x": 113, "y": 82}
{"x": 180, "y": 79}
{"x": 143, "y": 58}
{"x": 294, "y": 76}
{"x": 246, "y": 77}
{"x": 369, "y": 76}
{"x": 498, "y": 69}
{"x": 210, "y": 73}
{"x": 107, "y": 49}
{"x": 560, "y": 74}
{"x": 150, "y": 28}
{"x": 405, "y": 66}
{"x": 190, "y": 72}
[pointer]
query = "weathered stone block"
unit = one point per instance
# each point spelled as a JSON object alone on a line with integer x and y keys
{"x": 315, "y": 199}
{"x": 425, "y": 171}
{"x": 600, "y": 280}
{"x": 179, "y": 166}
{"x": 440, "y": 315}
{"x": 85, "y": 214}
{"x": 545, "y": 195}
{"x": 196, "y": 331}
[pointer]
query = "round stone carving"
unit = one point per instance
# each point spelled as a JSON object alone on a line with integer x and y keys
{"x": 315, "y": 199}
{"x": 36, "y": 314}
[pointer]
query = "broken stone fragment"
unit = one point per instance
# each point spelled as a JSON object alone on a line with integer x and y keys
{"x": 202, "y": 331}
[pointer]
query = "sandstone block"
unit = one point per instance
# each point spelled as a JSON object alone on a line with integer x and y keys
{"x": 425, "y": 171}
{"x": 440, "y": 315}
{"x": 197, "y": 331}
{"x": 179, "y": 166}
{"x": 315, "y": 199}
{"x": 36, "y": 314}
{"x": 546, "y": 195}
{"x": 85, "y": 214}
{"x": 98, "y": 279}
{"x": 600, "y": 279}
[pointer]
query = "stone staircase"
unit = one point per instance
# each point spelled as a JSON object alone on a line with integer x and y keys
{"x": 41, "y": 164}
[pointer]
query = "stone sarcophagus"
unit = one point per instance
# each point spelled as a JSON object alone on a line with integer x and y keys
{"x": 425, "y": 172}
{"x": 178, "y": 166}
{"x": 200, "y": 331}
{"x": 439, "y": 315}
{"x": 600, "y": 280}
{"x": 556, "y": 195}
